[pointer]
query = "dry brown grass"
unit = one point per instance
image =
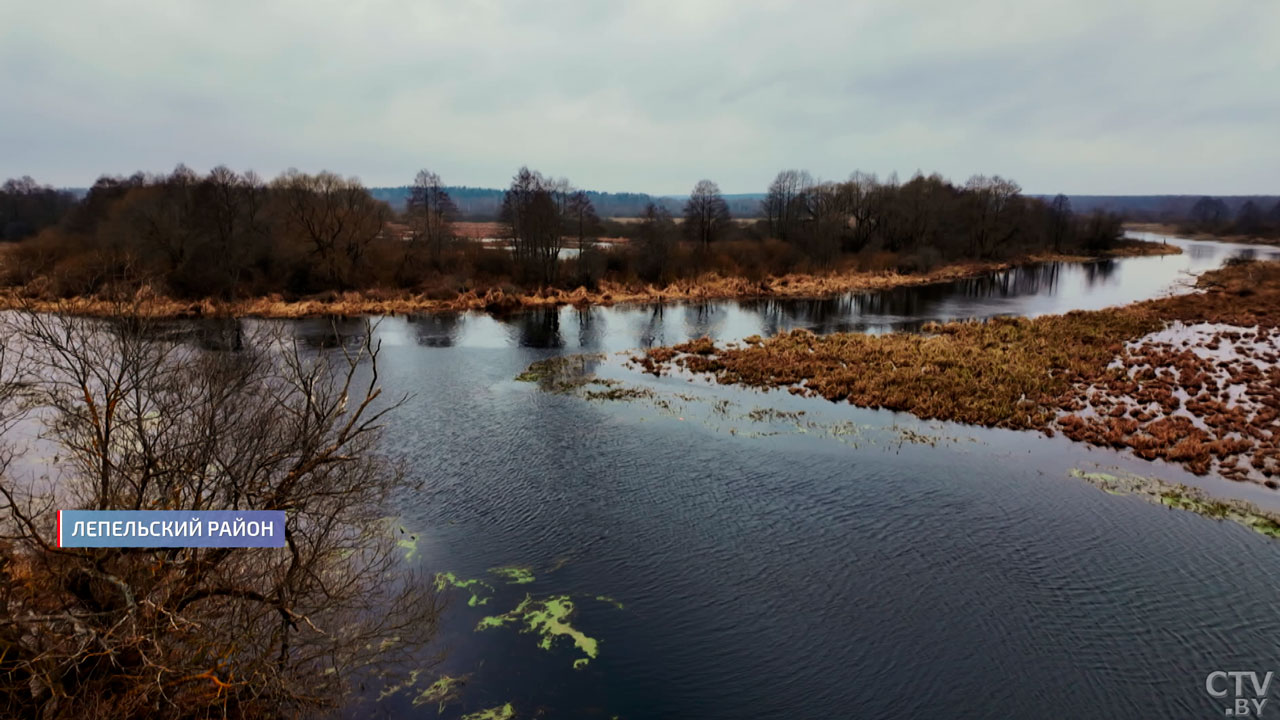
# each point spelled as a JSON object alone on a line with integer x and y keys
{"x": 1077, "y": 373}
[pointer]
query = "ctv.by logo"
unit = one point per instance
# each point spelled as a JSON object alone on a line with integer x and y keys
{"x": 1246, "y": 701}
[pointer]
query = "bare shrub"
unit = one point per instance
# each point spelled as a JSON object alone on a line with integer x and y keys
{"x": 134, "y": 418}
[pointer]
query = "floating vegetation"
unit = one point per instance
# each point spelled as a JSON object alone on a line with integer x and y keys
{"x": 514, "y": 574}
{"x": 393, "y": 689}
{"x": 502, "y": 712}
{"x": 1182, "y": 497}
{"x": 725, "y": 415}
{"x": 1208, "y": 399}
{"x": 443, "y": 691}
{"x": 408, "y": 541}
{"x": 474, "y": 586}
{"x": 573, "y": 374}
{"x": 562, "y": 374}
{"x": 609, "y": 600}
{"x": 614, "y": 392}
{"x": 772, "y": 415}
{"x": 548, "y": 618}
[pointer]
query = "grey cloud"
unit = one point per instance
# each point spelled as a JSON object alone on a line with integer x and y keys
{"x": 1084, "y": 96}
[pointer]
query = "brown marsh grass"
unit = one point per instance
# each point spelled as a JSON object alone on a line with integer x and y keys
{"x": 1089, "y": 375}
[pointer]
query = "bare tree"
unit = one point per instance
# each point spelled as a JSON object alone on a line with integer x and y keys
{"x": 581, "y": 216}
{"x": 863, "y": 195}
{"x": 431, "y": 214}
{"x": 784, "y": 201}
{"x": 655, "y": 243}
{"x": 825, "y": 221}
{"x": 532, "y": 210}
{"x": 706, "y": 215}
{"x": 334, "y": 217}
{"x": 1060, "y": 221}
{"x": 158, "y": 219}
{"x": 138, "y": 422}
{"x": 231, "y": 221}
{"x": 992, "y": 201}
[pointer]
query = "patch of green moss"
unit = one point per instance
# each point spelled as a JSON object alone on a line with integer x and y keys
{"x": 549, "y": 618}
{"x": 611, "y": 601}
{"x": 503, "y": 712}
{"x": 475, "y": 586}
{"x": 514, "y": 574}
{"x": 409, "y": 542}
{"x": 393, "y": 689}
{"x": 443, "y": 691}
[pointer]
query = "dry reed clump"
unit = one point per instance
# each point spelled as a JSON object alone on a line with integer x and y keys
{"x": 1094, "y": 376}
{"x": 500, "y": 299}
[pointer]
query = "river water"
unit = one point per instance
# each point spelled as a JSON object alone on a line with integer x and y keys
{"x": 833, "y": 571}
{"x": 838, "y": 562}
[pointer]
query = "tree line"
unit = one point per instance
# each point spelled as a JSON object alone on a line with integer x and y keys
{"x": 1212, "y": 215}
{"x": 227, "y": 234}
{"x": 27, "y": 207}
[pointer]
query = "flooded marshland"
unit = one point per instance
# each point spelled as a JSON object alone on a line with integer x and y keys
{"x": 761, "y": 554}
{"x": 667, "y": 547}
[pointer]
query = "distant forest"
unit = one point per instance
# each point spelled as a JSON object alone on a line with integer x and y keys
{"x": 233, "y": 235}
{"x": 485, "y": 204}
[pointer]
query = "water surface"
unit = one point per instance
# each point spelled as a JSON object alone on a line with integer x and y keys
{"x": 840, "y": 562}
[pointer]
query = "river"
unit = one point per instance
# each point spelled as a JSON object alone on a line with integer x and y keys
{"x": 838, "y": 562}
{"x": 805, "y": 574}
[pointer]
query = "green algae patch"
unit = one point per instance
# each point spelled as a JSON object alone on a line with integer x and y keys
{"x": 549, "y": 618}
{"x": 393, "y": 689}
{"x": 408, "y": 541}
{"x": 442, "y": 692}
{"x": 502, "y": 712}
{"x": 475, "y": 586}
{"x": 1183, "y": 497}
{"x": 404, "y": 538}
{"x": 609, "y": 600}
{"x": 514, "y": 574}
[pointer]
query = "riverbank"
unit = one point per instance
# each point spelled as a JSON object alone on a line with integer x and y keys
{"x": 1167, "y": 229}
{"x": 391, "y": 302}
{"x": 1192, "y": 379}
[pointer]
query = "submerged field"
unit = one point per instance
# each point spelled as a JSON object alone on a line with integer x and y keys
{"x": 1192, "y": 379}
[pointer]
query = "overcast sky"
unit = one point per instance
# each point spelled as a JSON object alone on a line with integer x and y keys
{"x": 1082, "y": 96}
